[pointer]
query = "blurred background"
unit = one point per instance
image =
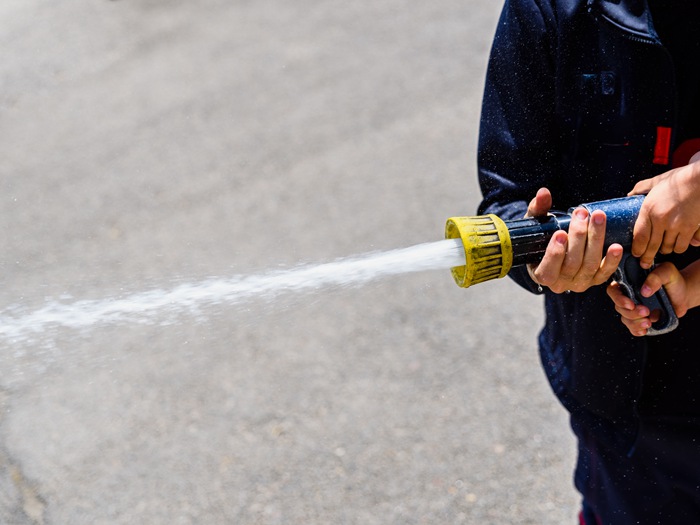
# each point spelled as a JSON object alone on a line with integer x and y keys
{"x": 150, "y": 143}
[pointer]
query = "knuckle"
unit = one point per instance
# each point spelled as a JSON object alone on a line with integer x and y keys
{"x": 541, "y": 277}
{"x": 680, "y": 247}
{"x": 586, "y": 277}
{"x": 590, "y": 266}
{"x": 642, "y": 236}
{"x": 567, "y": 274}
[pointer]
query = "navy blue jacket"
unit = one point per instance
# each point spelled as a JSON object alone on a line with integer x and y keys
{"x": 579, "y": 98}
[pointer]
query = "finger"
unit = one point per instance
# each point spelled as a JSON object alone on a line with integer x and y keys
{"x": 646, "y": 260}
{"x": 548, "y": 271}
{"x": 668, "y": 276}
{"x": 683, "y": 241}
{"x": 576, "y": 247}
{"x": 634, "y": 317}
{"x": 637, "y": 313}
{"x": 638, "y": 327}
{"x": 695, "y": 241}
{"x": 655, "y": 316}
{"x": 641, "y": 234}
{"x": 609, "y": 263}
{"x": 662, "y": 275}
{"x": 621, "y": 301}
{"x": 637, "y": 321}
{"x": 592, "y": 258}
{"x": 668, "y": 242}
{"x": 642, "y": 187}
{"x": 634, "y": 321}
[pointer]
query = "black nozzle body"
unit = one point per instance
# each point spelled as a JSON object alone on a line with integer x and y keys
{"x": 531, "y": 235}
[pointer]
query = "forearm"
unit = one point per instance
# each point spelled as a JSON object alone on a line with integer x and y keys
{"x": 518, "y": 135}
{"x": 691, "y": 273}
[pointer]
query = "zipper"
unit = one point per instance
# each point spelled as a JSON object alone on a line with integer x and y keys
{"x": 596, "y": 12}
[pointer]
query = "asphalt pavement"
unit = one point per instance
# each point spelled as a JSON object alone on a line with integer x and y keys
{"x": 146, "y": 144}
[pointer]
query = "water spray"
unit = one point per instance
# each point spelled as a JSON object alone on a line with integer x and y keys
{"x": 166, "y": 305}
{"x": 477, "y": 249}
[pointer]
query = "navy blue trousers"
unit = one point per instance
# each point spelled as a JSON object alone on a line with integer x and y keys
{"x": 653, "y": 481}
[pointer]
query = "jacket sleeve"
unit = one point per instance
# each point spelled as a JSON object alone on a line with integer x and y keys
{"x": 518, "y": 137}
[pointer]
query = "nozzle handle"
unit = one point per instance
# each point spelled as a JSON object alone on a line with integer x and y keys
{"x": 630, "y": 276}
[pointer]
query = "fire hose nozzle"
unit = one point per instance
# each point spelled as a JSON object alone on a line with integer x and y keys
{"x": 488, "y": 249}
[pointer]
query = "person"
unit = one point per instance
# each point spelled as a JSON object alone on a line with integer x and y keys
{"x": 587, "y": 100}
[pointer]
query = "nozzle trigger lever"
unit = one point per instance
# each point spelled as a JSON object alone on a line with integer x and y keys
{"x": 631, "y": 276}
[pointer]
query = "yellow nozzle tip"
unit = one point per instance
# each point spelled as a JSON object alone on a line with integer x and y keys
{"x": 488, "y": 249}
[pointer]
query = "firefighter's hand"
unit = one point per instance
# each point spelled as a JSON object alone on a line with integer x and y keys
{"x": 681, "y": 288}
{"x": 669, "y": 219}
{"x": 574, "y": 261}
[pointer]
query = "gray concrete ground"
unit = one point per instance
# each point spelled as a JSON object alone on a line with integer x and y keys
{"x": 147, "y": 143}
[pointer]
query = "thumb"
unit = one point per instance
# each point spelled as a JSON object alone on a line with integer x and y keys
{"x": 668, "y": 276}
{"x": 541, "y": 204}
{"x": 642, "y": 187}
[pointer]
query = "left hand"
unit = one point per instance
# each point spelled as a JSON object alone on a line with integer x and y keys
{"x": 669, "y": 220}
{"x": 574, "y": 260}
{"x": 637, "y": 317}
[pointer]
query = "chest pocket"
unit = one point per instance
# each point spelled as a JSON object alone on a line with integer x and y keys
{"x": 599, "y": 113}
{"x": 608, "y": 143}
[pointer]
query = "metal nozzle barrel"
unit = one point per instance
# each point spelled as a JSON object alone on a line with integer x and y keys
{"x": 493, "y": 246}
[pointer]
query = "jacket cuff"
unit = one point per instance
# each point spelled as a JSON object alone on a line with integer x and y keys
{"x": 521, "y": 276}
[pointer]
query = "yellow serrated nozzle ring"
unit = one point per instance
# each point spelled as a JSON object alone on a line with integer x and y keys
{"x": 487, "y": 248}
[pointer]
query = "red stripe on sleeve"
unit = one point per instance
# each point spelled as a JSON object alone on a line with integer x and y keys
{"x": 662, "y": 147}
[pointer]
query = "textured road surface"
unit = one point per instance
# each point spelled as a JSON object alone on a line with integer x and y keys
{"x": 150, "y": 143}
